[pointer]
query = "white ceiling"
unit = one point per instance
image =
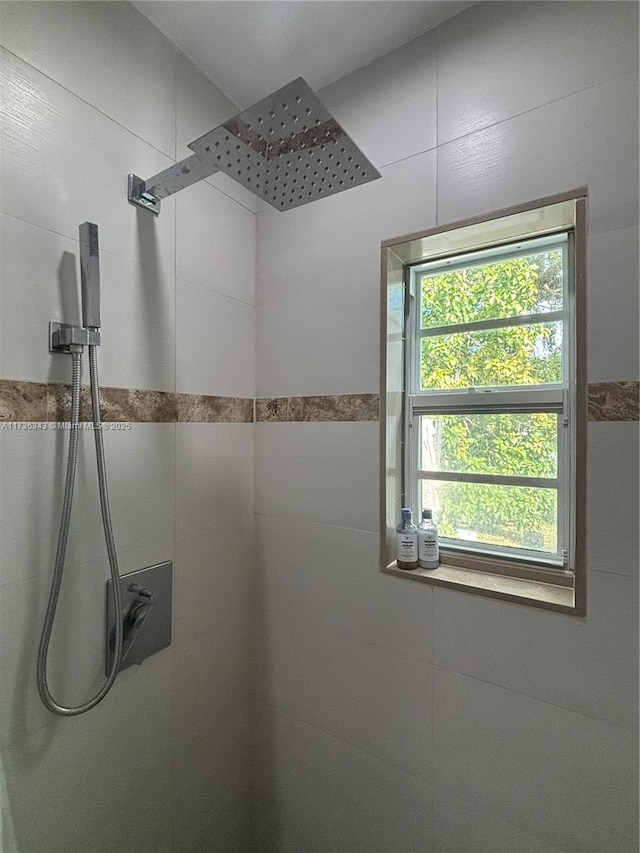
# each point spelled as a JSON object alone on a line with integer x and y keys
{"x": 250, "y": 48}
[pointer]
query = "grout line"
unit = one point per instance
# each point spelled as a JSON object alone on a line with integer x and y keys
{"x": 533, "y": 698}
{"x": 509, "y": 118}
{"x": 174, "y": 698}
{"x": 84, "y": 101}
{"x": 332, "y": 631}
{"x": 212, "y": 291}
{"x": 228, "y": 195}
{"x": 288, "y": 518}
{"x": 136, "y": 262}
{"x": 334, "y": 736}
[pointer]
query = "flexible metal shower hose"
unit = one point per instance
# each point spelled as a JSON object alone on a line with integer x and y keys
{"x": 43, "y": 688}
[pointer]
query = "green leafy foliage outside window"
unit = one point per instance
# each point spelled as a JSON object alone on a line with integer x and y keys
{"x": 505, "y": 444}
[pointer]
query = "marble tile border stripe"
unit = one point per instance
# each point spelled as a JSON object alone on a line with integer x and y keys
{"x": 342, "y": 407}
{"x": 25, "y": 401}
{"x": 117, "y": 404}
{"x": 39, "y": 401}
{"x": 22, "y": 401}
{"x": 202, "y": 408}
{"x": 614, "y": 401}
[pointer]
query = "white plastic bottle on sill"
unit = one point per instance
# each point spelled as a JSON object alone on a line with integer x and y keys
{"x": 406, "y": 542}
{"x": 428, "y": 548}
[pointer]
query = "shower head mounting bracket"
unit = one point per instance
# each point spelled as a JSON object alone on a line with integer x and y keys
{"x": 137, "y": 195}
{"x": 287, "y": 149}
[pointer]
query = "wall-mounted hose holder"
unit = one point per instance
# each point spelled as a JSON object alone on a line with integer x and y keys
{"x": 63, "y": 336}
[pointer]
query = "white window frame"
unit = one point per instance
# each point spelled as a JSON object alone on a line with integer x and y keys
{"x": 514, "y": 231}
{"x": 554, "y": 398}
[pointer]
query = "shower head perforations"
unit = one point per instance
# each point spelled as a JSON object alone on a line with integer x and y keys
{"x": 288, "y": 149}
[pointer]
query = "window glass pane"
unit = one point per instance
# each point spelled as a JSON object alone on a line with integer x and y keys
{"x": 517, "y": 445}
{"x": 505, "y": 516}
{"x": 491, "y": 291}
{"x": 516, "y": 355}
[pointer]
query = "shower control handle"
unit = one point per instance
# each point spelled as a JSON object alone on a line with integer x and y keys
{"x": 133, "y": 622}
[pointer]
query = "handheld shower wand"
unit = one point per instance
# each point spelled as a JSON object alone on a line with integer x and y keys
{"x": 89, "y": 275}
{"x": 72, "y": 339}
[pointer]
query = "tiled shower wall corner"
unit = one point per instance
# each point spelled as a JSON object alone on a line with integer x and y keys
{"x": 91, "y": 92}
{"x": 446, "y": 721}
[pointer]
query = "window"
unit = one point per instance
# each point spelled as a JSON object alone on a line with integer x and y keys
{"x": 484, "y": 399}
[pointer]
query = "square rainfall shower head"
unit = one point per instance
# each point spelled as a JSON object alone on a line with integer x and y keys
{"x": 288, "y": 149}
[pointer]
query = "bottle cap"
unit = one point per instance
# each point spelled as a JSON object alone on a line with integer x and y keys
{"x": 427, "y": 513}
{"x": 406, "y": 512}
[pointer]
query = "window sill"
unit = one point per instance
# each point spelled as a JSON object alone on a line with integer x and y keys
{"x": 521, "y": 591}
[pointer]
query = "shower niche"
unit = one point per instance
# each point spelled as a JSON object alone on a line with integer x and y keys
{"x": 147, "y": 596}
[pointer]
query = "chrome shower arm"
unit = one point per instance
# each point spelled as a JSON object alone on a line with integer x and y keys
{"x": 147, "y": 194}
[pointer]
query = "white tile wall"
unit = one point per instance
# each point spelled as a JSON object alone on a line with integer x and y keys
{"x": 498, "y": 61}
{"x": 201, "y": 106}
{"x": 588, "y": 665}
{"x": 463, "y": 826}
{"x": 138, "y": 318}
{"x": 320, "y": 472}
{"x": 76, "y": 772}
{"x": 215, "y": 342}
{"x": 215, "y": 242}
{"x": 65, "y": 162}
{"x": 213, "y": 675}
{"x": 105, "y": 54}
{"x": 327, "y": 570}
{"x": 612, "y": 498}
{"x": 323, "y": 794}
{"x": 42, "y": 272}
{"x": 326, "y": 343}
{"x": 528, "y": 99}
{"x": 371, "y": 698}
{"x": 34, "y": 463}
{"x": 91, "y": 92}
{"x": 516, "y": 756}
{"x": 389, "y": 106}
{"x": 38, "y": 286}
{"x": 154, "y": 808}
{"x": 214, "y": 475}
{"x": 555, "y": 147}
{"x": 213, "y": 580}
{"x": 137, "y": 311}
{"x": 211, "y": 784}
{"x": 612, "y": 305}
